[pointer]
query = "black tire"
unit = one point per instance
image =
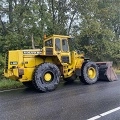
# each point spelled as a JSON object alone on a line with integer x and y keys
{"x": 85, "y": 77}
{"x": 70, "y": 79}
{"x": 28, "y": 84}
{"x": 39, "y": 77}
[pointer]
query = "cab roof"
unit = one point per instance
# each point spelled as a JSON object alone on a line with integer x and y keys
{"x": 59, "y": 36}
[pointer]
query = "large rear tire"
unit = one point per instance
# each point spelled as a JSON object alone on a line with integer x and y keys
{"x": 89, "y": 73}
{"x": 46, "y": 77}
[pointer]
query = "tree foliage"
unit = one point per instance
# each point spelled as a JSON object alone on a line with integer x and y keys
{"x": 94, "y": 23}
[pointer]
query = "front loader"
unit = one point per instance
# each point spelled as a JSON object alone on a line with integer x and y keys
{"x": 43, "y": 68}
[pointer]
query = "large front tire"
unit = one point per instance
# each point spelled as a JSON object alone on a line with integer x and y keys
{"x": 46, "y": 77}
{"x": 89, "y": 73}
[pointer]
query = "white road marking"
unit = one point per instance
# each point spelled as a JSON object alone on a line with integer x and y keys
{"x": 111, "y": 111}
{"x": 11, "y": 90}
{"x": 104, "y": 114}
{"x": 94, "y": 118}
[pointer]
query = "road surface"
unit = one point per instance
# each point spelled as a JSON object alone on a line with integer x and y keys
{"x": 75, "y": 101}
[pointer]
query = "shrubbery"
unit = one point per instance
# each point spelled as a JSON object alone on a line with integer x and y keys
{"x": 2, "y": 62}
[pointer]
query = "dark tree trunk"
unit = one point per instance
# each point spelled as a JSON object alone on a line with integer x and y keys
{"x": 10, "y": 11}
{"x": 53, "y": 15}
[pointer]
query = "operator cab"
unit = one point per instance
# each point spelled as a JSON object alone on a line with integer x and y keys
{"x": 58, "y": 45}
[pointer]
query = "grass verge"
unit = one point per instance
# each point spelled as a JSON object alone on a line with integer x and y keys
{"x": 117, "y": 71}
{"x": 9, "y": 84}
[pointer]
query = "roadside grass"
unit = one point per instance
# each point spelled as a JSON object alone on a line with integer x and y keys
{"x": 9, "y": 84}
{"x": 6, "y": 84}
{"x": 117, "y": 71}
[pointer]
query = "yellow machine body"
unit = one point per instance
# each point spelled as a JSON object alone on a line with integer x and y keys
{"x": 21, "y": 64}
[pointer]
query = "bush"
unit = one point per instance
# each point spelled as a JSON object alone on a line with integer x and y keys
{"x": 1, "y": 73}
{"x": 9, "y": 84}
{"x": 2, "y": 63}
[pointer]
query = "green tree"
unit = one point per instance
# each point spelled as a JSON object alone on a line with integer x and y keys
{"x": 94, "y": 23}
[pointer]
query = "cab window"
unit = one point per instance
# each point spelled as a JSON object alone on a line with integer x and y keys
{"x": 57, "y": 44}
{"x": 49, "y": 43}
{"x": 64, "y": 45}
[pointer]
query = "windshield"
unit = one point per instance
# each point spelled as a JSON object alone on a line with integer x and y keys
{"x": 64, "y": 45}
{"x": 57, "y": 44}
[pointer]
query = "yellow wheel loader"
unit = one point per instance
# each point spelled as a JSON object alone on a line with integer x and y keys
{"x": 43, "y": 68}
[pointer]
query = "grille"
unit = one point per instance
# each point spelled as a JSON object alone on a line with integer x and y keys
{"x": 65, "y": 59}
{"x": 49, "y": 51}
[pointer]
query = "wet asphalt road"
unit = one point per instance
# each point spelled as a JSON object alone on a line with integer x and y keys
{"x": 67, "y": 102}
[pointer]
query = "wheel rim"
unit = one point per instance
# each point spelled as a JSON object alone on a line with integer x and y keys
{"x": 47, "y": 77}
{"x": 91, "y": 73}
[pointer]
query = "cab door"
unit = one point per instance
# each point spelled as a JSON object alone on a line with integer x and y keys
{"x": 62, "y": 50}
{"x": 65, "y": 54}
